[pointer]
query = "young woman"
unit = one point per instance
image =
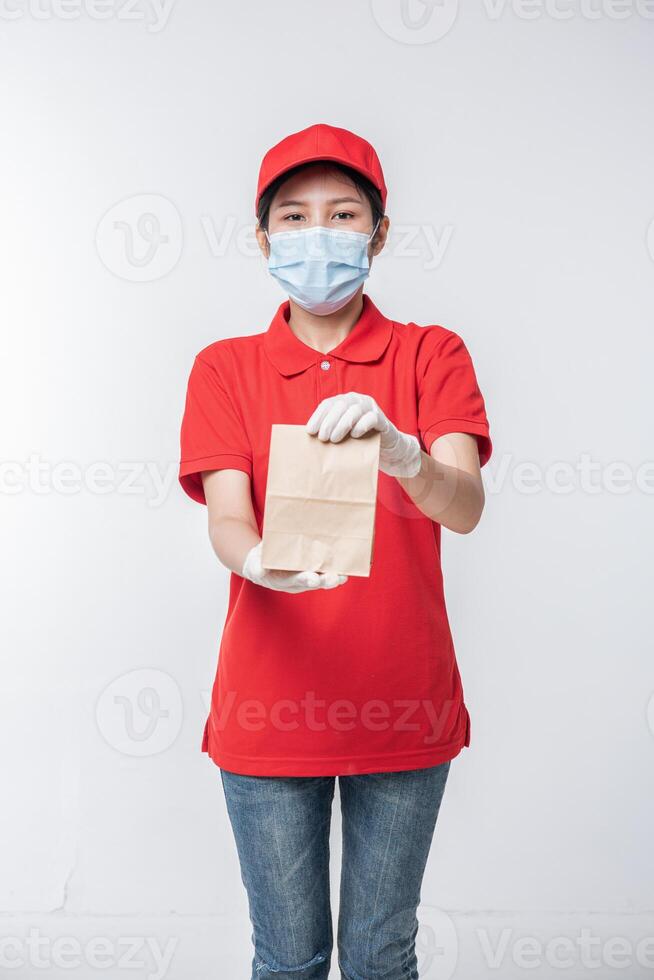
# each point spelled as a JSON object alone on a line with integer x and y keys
{"x": 321, "y": 675}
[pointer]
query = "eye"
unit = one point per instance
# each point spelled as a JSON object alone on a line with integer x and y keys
{"x": 293, "y": 217}
{"x": 343, "y": 215}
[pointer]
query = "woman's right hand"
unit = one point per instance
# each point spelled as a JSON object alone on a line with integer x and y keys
{"x": 282, "y": 581}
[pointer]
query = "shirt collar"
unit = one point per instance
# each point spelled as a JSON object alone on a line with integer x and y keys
{"x": 366, "y": 341}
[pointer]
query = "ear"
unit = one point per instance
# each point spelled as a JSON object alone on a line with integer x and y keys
{"x": 262, "y": 241}
{"x": 381, "y": 235}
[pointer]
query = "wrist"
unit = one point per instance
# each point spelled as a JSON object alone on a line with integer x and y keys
{"x": 252, "y": 567}
{"x": 403, "y": 458}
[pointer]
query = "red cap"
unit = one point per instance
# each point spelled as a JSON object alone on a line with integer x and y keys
{"x": 321, "y": 142}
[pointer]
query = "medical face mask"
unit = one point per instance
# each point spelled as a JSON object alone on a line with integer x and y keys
{"x": 319, "y": 268}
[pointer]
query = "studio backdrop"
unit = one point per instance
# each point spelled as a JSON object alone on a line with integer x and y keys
{"x": 518, "y": 149}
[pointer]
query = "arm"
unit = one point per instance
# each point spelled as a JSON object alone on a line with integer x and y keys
{"x": 448, "y": 487}
{"x": 216, "y": 468}
{"x": 445, "y": 485}
{"x": 235, "y": 538}
{"x": 232, "y": 524}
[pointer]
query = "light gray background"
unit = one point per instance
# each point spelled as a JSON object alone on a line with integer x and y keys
{"x": 520, "y": 140}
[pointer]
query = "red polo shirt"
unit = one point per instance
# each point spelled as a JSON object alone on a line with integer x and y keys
{"x": 361, "y": 678}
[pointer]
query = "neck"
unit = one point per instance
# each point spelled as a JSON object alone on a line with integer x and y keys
{"x": 323, "y": 333}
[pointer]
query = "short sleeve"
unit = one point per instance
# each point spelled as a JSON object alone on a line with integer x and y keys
{"x": 212, "y": 434}
{"x": 449, "y": 399}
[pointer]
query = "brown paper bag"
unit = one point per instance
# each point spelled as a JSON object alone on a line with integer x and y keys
{"x": 320, "y": 502}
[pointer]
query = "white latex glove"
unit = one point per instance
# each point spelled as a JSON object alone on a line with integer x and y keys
{"x": 356, "y": 414}
{"x": 272, "y": 578}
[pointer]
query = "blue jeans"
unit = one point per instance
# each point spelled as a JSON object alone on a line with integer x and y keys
{"x": 281, "y": 827}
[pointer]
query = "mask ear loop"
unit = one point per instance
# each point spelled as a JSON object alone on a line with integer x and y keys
{"x": 265, "y": 231}
{"x": 374, "y": 230}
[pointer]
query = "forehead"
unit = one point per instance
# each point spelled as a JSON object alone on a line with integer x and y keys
{"x": 315, "y": 183}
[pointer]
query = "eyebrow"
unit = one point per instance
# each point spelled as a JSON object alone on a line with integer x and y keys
{"x": 333, "y": 200}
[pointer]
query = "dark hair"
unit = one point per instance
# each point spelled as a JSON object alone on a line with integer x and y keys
{"x": 362, "y": 183}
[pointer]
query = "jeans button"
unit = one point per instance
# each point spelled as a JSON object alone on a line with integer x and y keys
{"x": 325, "y": 365}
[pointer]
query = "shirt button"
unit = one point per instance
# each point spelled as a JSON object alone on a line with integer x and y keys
{"x": 325, "y": 365}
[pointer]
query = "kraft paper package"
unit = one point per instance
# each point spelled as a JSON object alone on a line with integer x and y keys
{"x": 320, "y": 502}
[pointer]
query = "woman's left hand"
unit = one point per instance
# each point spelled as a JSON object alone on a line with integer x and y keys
{"x": 355, "y": 414}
